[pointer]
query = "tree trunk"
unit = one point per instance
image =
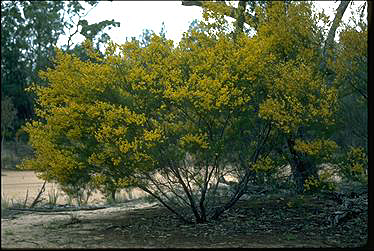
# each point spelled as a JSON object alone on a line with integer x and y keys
{"x": 15, "y": 147}
{"x": 241, "y": 18}
{"x": 329, "y": 43}
{"x": 302, "y": 167}
{"x": 2, "y": 149}
{"x": 113, "y": 195}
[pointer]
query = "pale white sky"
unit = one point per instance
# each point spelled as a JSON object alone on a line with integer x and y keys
{"x": 134, "y": 16}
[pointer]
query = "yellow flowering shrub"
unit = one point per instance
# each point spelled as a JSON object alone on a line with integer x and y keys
{"x": 137, "y": 113}
{"x": 354, "y": 164}
{"x": 265, "y": 164}
{"x": 313, "y": 184}
{"x": 297, "y": 93}
{"x": 318, "y": 147}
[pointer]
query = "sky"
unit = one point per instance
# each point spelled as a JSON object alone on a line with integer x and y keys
{"x": 134, "y": 16}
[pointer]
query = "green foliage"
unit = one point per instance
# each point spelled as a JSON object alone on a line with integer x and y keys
{"x": 29, "y": 32}
{"x": 8, "y": 116}
{"x": 351, "y": 69}
{"x": 13, "y": 64}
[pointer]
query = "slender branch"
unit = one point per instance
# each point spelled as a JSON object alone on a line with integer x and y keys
{"x": 189, "y": 196}
{"x": 70, "y": 37}
{"x": 27, "y": 195}
{"x": 171, "y": 188}
{"x": 243, "y": 183}
{"x": 145, "y": 189}
{"x": 185, "y": 167}
{"x": 37, "y": 199}
{"x": 157, "y": 186}
{"x": 229, "y": 11}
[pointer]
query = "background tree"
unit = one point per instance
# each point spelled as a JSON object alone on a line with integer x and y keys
{"x": 14, "y": 73}
{"x": 30, "y": 30}
{"x": 350, "y": 67}
{"x": 8, "y": 117}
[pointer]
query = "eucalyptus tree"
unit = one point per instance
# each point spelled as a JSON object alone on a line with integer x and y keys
{"x": 29, "y": 32}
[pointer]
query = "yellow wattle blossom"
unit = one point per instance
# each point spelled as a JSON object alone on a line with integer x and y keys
{"x": 315, "y": 147}
{"x": 197, "y": 139}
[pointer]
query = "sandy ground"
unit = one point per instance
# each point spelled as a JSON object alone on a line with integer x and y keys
{"x": 100, "y": 229}
{"x": 15, "y": 185}
{"x": 60, "y": 229}
{"x": 21, "y": 229}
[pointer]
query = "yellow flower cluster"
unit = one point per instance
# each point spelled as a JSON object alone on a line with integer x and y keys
{"x": 264, "y": 164}
{"x": 356, "y": 161}
{"x": 194, "y": 139}
{"x": 313, "y": 184}
{"x": 315, "y": 147}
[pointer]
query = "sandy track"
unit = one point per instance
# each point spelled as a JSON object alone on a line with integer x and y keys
{"x": 60, "y": 229}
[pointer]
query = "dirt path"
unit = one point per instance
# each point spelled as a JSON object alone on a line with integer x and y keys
{"x": 60, "y": 229}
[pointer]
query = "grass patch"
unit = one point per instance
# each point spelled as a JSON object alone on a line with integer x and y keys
{"x": 53, "y": 196}
{"x": 8, "y": 232}
{"x": 5, "y": 202}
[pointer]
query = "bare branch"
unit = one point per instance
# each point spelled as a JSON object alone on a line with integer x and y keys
{"x": 37, "y": 199}
{"x": 192, "y": 3}
{"x": 163, "y": 203}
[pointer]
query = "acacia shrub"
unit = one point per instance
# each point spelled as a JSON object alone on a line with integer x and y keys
{"x": 173, "y": 121}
